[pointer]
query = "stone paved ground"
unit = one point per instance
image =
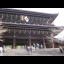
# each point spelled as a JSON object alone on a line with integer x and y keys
{"x": 38, "y": 52}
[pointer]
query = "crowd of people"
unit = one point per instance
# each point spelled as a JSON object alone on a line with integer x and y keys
{"x": 37, "y": 46}
{"x": 33, "y": 47}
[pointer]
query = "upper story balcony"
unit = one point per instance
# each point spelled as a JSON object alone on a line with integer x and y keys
{"x": 26, "y": 17}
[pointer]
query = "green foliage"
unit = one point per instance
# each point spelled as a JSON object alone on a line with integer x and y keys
{"x": 19, "y": 47}
{"x": 9, "y": 46}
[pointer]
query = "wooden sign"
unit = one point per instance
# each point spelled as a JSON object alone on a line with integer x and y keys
{"x": 24, "y": 18}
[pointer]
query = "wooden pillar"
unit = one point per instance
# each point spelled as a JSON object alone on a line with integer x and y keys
{"x": 52, "y": 42}
{"x": 44, "y": 45}
{"x": 29, "y": 40}
{"x": 14, "y": 43}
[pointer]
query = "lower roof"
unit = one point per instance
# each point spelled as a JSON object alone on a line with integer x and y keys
{"x": 27, "y": 26}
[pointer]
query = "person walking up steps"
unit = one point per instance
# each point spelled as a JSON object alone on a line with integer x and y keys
{"x": 61, "y": 49}
{"x": 29, "y": 50}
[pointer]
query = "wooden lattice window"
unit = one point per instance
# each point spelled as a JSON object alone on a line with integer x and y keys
{"x": 4, "y": 17}
{"x": 9, "y": 18}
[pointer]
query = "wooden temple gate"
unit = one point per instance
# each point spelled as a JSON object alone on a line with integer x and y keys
{"x": 26, "y": 27}
{"x": 32, "y": 37}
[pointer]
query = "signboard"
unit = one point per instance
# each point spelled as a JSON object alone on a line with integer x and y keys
{"x": 24, "y": 18}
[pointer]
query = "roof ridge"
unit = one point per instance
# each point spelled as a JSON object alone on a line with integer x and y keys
{"x": 31, "y": 13}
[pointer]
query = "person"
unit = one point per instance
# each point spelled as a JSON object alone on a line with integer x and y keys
{"x": 34, "y": 45}
{"x": 28, "y": 49}
{"x": 1, "y": 51}
{"x": 25, "y": 47}
{"x": 61, "y": 49}
{"x": 37, "y": 45}
{"x": 4, "y": 49}
{"x": 40, "y": 46}
{"x": 31, "y": 48}
{"x": 1, "y": 48}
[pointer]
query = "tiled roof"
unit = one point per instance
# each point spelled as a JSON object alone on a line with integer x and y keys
{"x": 30, "y": 13}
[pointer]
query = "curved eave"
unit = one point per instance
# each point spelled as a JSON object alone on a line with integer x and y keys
{"x": 28, "y": 13}
{"x": 29, "y": 26}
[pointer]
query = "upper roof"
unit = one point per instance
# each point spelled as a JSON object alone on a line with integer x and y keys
{"x": 28, "y": 13}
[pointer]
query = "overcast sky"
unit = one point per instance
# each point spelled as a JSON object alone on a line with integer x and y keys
{"x": 59, "y": 21}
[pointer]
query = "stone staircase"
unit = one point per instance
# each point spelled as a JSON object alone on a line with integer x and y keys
{"x": 48, "y": 52}
{"x": 37, "y": 52}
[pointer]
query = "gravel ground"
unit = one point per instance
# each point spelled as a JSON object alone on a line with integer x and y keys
{"x": 37, "y": 52}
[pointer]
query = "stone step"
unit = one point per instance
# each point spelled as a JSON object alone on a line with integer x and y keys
{"x": 37, "y": 52}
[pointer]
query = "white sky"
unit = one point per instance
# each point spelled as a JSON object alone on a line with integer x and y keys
{"x": 59, "y": 21}
{"x": 60, "y": 36}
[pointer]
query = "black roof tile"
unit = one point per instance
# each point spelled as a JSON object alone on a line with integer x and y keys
{"x": 28, "y": 13}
